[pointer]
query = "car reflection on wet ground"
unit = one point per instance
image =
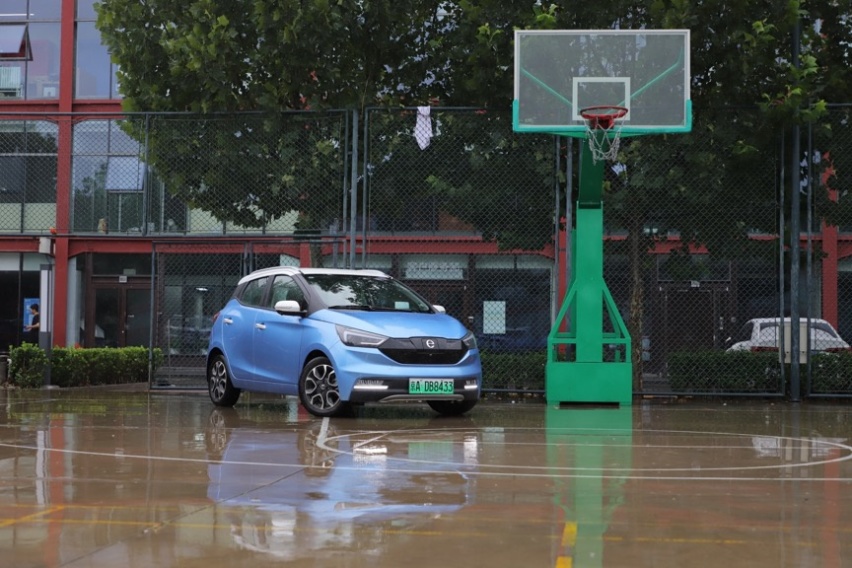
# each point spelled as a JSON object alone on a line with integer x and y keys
{"x": 106, "y": 478}
{"x": 350, "y": 483}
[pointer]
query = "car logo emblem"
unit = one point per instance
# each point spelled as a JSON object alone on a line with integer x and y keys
{"x": 430, "y": 343}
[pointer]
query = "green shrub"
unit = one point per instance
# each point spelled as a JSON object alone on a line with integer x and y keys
{"x": 74, "y": 367}
{"x": 513, "y": 371}
{"x": 831, "y": 373}
{"x": 63, "y": 368}
{"x": 723, "y": 371}
{"x": 26, "y": 366}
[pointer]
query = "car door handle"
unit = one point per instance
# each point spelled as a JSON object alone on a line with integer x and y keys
{"x": 228, "y": 321}
{"x": 260, "y": 325}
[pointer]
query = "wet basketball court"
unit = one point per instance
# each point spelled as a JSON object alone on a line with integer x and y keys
{"x": 114, "y": 478}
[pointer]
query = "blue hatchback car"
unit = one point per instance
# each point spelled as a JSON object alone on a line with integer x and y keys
{"x": 337, "y": 338}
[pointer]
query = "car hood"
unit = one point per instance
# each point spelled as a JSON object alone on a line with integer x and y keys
{"x": 395, "y": 324}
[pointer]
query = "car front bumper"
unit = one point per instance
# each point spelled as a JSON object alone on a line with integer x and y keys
{"x": 397, "y": 390}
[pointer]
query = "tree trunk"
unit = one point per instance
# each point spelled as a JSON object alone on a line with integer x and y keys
{"x": 635, "y": 240}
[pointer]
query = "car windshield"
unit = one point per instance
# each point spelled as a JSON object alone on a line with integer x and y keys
{"x": 357, "y": 292}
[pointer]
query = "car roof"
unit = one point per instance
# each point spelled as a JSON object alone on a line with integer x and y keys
{"x": 275, "y": 270}
{"x": 786, "y": 320}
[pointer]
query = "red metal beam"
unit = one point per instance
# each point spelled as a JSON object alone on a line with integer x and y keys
{"x": 18, "y": 243}
{"x": 63, "y": 173}
{"x": 106, "y": 245}
{"x": 107, "y": 108}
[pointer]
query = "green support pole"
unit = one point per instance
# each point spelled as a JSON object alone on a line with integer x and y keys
{"x": 588, "y": 361}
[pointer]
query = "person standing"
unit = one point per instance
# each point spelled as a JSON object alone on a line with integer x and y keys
{"x": 35, "y": 324}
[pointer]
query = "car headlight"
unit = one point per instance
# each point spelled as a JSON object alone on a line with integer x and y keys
{"x": 469, "y": 340}
{"x": 358, "y": 338}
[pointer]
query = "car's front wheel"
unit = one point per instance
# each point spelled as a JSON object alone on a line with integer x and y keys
{"x": 222, "y": 390}
{"x": 318, "y": 388}
{"x": 451, "y": 407}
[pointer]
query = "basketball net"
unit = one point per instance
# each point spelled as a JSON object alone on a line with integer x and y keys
{"x": 603, "y": 130}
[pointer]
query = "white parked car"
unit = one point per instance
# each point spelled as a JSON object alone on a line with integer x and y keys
{"x": 764, "y": 334}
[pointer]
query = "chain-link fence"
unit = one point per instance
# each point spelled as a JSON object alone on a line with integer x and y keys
{"x": 692, "y": 253}
{"x": 473, "y": 216}
{"x": 237, "y": 174}
{"x": 414, "y": 215}
{"x": 28, "y": 170}
{"x": 192, "y": 281}
{"x": 828, "y": 214}
{"x": 461, "y": 208}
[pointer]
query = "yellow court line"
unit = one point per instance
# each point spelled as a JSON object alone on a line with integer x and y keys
{"x": 569, "y": 534}
{"x": 32, "y": 517}
{"x": 561, "y": 561}
{"x": 564, "y": 562}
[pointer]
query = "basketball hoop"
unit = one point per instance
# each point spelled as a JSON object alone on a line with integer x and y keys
{"x": 603, "y": 132}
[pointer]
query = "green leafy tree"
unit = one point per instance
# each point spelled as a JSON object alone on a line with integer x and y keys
{"x": 208, "y": 56}
{"x": 717, "y": 186}
{"x": 250, "y": 169}
{"x": 281, "y": 55}
{"x": 217, "y": 56}
{"x": 498, "y": 182}
{"x": 90, "y": 199}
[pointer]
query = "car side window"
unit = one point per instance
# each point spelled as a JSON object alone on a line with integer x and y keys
{"x": 824, "y": 328}
{"x": 285, "y": 288}
{"x": 822, "y": 335}
{"x": 744, "y": 334}
{"x": 253, "y": 292}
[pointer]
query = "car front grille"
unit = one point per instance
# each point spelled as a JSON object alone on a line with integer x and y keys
{"x": 424, "y": 351}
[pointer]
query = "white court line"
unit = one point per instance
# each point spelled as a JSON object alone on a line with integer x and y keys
{"x": 465, "y": 467}
{"x": 499, "y": 470}
{"x": 421, "y": 471}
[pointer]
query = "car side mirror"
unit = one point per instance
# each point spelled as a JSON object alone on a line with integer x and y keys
{"x": 289, "y": 308}
{"x": 439, "y": 309}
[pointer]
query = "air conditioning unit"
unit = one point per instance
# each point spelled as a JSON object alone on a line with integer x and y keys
{"x": 10, "y": 81}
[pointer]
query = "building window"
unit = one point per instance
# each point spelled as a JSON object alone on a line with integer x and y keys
{"x": 95, "y": 74}
{"x": 124, "y": 173}
{"x": 13, "y": 175}
{"x": 108, "y": 179}
{"x": 43, "y": 71}
{"x": 29, "y": 49}
{"x": 27, "y": 176}
{"x": 45, "y": 9}
{"x": 14, "y": 10}
{"x": 14, "y": 42}
{"x": 19, "y": 279}
{"x": 86, "y": 9}
{"x": 10, "y": 82}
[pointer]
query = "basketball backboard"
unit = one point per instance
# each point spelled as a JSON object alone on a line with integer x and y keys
{"x": 560, "y": 72}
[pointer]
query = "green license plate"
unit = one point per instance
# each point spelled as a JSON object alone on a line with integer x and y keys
{"x": 431, "y": 386}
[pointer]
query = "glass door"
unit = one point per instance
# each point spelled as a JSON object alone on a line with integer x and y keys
{"x": 137, "y": 317}
{"x": 120, "y": 316}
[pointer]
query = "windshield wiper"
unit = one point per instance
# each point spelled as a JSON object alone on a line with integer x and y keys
{"x": 363, "y": 307}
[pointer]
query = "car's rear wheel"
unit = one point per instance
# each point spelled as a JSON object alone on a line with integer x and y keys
{"x": 451, "y": 407}
{"x": 318, "y": 388}
{"x": 222, "y": 390}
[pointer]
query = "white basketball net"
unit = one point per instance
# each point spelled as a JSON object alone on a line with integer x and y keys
{"x": 604, "y": 143}
{"x": 603, "y": 132}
